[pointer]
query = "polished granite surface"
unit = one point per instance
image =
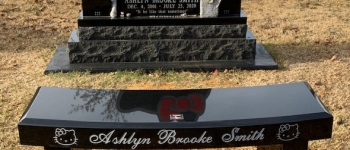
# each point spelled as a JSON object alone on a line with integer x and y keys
{"x": 287, "y": 114}
{"x": 137, "y": 106}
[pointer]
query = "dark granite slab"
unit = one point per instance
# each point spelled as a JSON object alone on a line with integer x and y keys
{"x": 229, "y": 7}
{"x": 92, "y": 21}
{"x": 162, "y": 32}
{"x": 96, "y": 7}
{"x": 159, "y": 119}
{"x": 60, "y": 63}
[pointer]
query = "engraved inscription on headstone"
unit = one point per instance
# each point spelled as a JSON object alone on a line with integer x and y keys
{"x": 158, "y": 7}
{"x": 161, "y": 8}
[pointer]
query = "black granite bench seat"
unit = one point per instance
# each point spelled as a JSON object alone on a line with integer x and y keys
{"x": 287, "y": 114}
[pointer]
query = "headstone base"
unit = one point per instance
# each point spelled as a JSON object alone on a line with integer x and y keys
{"x": 162, "y": 32}
{"x": 60, "y": 63}
{"x": 106, "y": 51}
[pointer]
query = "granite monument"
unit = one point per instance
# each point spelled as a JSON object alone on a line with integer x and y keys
{"x": 162, "y": 34}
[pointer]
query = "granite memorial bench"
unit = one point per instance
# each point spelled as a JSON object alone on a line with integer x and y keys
{"x": 65, "y": 118}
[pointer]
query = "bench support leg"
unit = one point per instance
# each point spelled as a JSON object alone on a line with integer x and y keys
{"x": 55, "y": 148}
{"x": 296, "y": 146}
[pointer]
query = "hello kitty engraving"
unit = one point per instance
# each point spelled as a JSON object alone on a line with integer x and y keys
{"x": 288, "y": 132}
{"x": 65, "y": 137}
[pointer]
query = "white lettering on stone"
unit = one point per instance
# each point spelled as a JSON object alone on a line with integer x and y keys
{"x": 131, "y": 6}
{"x": 188, "y": 1}
{"x": 169, "y": 137}
{"x": 164, "y": 1}
{"x": 169, "y": 6}
{"x": 234, "y": 136}
{"x": 107, "y": 138}
{"x": 133, "y": 1}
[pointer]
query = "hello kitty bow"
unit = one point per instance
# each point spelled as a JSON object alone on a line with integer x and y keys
{"x": 284, "y": 128}
{"x": 60, "y": 132}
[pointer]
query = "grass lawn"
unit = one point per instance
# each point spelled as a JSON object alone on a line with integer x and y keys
{"x": 308, "y": 38}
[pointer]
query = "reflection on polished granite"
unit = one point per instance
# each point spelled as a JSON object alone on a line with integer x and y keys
{"x": 140, "y": 106}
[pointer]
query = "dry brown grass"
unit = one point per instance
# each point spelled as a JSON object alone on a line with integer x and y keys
{"x": 303, "y": 35}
